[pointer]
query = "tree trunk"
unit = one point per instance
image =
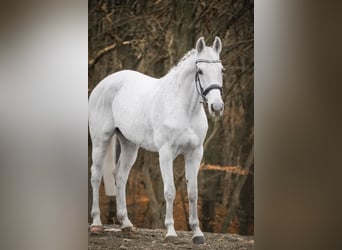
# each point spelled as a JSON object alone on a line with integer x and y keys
{"x": 236, "y": 193}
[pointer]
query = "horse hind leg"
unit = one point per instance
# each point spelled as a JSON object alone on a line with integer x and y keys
{"x": 100, "y": 144}
{"x": 127, "y": 157}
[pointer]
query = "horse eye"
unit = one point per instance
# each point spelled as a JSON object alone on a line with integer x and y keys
{"x": 200, "y": 72}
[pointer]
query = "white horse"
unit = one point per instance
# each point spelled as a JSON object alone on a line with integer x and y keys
{"x": 128, "y": 110}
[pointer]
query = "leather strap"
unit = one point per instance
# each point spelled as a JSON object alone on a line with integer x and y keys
{"x": 211, "y": 87}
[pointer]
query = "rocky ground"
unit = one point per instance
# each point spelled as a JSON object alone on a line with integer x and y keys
{"x": 114, "y": 238}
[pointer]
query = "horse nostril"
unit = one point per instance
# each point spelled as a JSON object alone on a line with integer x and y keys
{"x": 217, "y": 106}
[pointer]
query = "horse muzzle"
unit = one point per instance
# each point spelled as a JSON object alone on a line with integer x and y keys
{"x": 216, "y": 108}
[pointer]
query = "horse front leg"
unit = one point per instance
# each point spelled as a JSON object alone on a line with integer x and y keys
{"x": 166, "y": 167}
{"x": 192, "y": 164}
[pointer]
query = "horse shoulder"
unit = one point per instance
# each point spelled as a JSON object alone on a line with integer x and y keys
{"x": 181, "y": 133}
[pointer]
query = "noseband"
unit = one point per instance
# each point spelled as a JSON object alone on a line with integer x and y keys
{"x": 203, "y": 92}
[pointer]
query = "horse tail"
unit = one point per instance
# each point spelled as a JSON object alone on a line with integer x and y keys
{"x": 109, "y": 164}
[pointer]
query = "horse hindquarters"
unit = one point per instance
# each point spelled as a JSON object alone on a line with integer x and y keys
{"x": 101, "y": 128}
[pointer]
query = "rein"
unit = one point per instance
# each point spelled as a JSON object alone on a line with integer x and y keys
{"x": 203, "y": 92}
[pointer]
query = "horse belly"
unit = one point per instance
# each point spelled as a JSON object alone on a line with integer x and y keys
{"x": 131, "y": 115}
{"x": 139, "y": 134}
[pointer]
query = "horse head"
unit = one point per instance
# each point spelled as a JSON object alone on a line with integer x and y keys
{"x": 209, "y": 75}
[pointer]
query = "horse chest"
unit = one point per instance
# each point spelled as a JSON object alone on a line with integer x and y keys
{"x": 180, "y": 138}
{"x": 186, "y": 139}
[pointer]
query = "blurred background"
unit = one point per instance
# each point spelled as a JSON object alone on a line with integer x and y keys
{"x": 150, "y": 37}
{"x": 43, "y": 110}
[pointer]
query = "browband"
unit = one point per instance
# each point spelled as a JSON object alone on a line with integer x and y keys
{"x": 208, "y": 61}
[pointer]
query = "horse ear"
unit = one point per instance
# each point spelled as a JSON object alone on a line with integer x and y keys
{"x": 217, "y": 45}
{"x": 200, "y": 44}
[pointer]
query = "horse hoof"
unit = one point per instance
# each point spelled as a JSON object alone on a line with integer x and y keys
{"x": 198, "y": 240}
{"x": 96, "y": 230}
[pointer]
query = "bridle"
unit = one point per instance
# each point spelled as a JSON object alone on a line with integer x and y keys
{"x": 203, "y": 92}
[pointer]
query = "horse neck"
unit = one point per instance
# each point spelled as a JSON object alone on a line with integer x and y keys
{"x": 182, "y": 86}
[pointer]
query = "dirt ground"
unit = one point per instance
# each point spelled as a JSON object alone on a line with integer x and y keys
{"x": 113, "y": 238}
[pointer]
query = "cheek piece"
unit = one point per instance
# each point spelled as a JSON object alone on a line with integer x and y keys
{"x": 203, "y": 92}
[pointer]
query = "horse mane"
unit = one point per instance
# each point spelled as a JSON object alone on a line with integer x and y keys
{"x": 183, "y": 59}
{"x": 186, "y": 56}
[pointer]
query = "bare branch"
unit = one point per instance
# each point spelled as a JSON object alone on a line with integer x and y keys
{"x": 212, "y": 134}
{"x": 233, "y": 45}
{"x": 243, "y": 88}
{"x": 100, "y": 53}
{"x": 238, "y": 170}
